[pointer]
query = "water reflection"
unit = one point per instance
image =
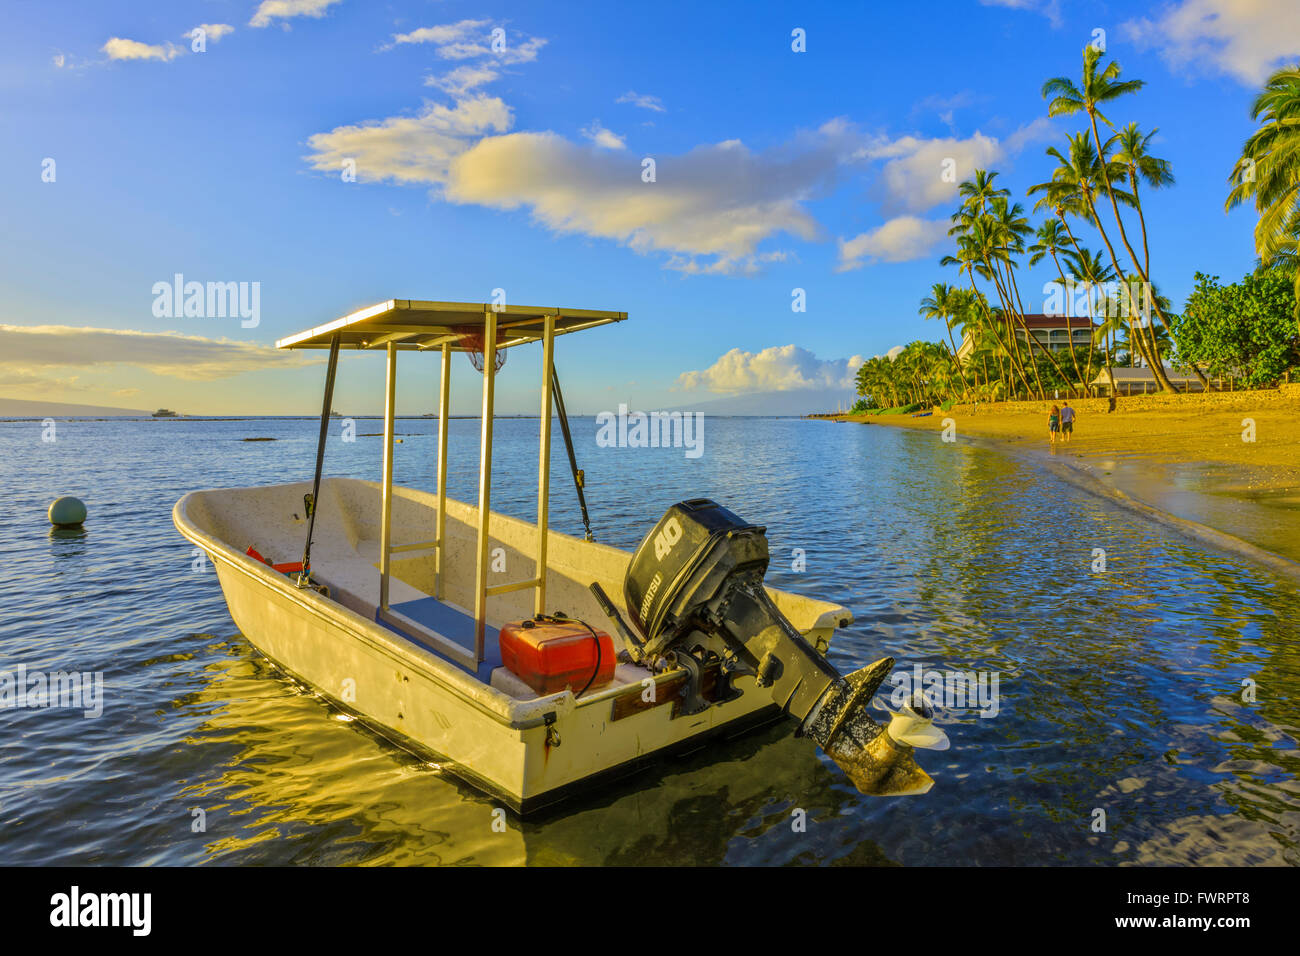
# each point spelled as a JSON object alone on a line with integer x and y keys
{"x": 294, "y": 783}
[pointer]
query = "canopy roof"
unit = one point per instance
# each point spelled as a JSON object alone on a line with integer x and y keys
{"x": 416, "y": 324}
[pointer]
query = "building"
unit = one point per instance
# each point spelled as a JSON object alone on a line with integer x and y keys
{"x": 1054, "y": 332}
{"x": 1141, "y": 380}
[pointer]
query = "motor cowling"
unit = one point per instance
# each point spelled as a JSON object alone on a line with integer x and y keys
{"x": 694, "y": 590}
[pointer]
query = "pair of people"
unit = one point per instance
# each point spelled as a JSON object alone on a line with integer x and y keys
{"x": 1060, "y": 421}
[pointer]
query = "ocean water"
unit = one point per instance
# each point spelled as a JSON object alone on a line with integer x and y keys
{"x": 1147, "y": 713}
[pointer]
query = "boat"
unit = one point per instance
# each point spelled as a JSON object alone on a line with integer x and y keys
{"x": 164, "y": 413}
{"x": 416, "y": 613}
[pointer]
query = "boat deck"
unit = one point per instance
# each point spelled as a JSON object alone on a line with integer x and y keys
{"x": 345, "y": 557}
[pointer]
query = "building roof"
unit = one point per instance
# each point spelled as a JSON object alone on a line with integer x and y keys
{"x": 1136, "y": 376}
{"x": 417, "y": 324}
{"x": 1040, "y": 321}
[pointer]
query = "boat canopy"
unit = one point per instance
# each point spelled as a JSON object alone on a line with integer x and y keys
{"x": 483, "y": 330}
{"x": 415, "y": 324}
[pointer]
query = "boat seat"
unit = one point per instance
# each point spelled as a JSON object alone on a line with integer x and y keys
{"x": 354, "y": 583}
{"x": 451, "y": 622}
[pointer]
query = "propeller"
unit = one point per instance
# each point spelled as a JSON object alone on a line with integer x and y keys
{"x": 914, "y": 725}
{"x": 878, "y": 759}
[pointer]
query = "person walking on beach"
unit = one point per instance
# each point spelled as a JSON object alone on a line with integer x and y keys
{"x": 1053, "y": 423}
{"x": 1067, "y": 422}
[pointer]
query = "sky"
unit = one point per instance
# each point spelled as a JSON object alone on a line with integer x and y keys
{"x": 331, "y": 154}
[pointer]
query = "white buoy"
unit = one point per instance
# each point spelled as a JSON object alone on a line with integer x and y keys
{"x": 67, "y": 512}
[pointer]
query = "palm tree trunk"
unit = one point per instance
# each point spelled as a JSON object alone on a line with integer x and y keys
{"x": 1092, "y": 279}
{"x": 1046, "y": 351}
{"x": 1030, "y": 341}
{"x": 957, "y": 362}
{"x": 1011, "y": 356}
{"x": 1069, "y": 329}
{"x": 1157, "y": 367}
{"x": 1146, "y": 271}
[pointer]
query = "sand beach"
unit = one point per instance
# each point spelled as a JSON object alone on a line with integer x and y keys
{"x": 1228, "y": 461}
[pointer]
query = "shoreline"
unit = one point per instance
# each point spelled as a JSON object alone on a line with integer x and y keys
{"x": 1181, "y": 461}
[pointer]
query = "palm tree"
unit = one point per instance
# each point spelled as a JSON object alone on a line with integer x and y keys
{"x": 1079, "y": 176}
{"x": 969, "y": 259}
{"x": 1087, "y": 269}
{"x": 1098, "y": 87}
{"x": 942, "y": 303}
{"x": 1269, "y": 171}
{"x": 990, "y": 233}
{"x": 1131, "y": 152}
{"x": 1050, "y": 240}
{"x": 1129, "y": 149}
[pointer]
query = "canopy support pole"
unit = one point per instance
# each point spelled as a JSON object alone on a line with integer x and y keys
{"x": 386, "y": 521}
{"x": 440, "y": 537}
{"x": 485, "y": 481}
{"x": 579, "y": 479}
{"x": 304, "y": 576}
{"x": 544, "y": 462}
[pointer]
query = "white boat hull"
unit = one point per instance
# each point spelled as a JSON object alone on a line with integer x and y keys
{"x": 526, "y": 751}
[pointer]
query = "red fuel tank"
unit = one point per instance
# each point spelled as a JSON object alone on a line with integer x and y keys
{"x": 549, "y": 656}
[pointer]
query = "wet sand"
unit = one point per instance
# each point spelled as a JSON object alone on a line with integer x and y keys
{"x": 1191, "y": 457}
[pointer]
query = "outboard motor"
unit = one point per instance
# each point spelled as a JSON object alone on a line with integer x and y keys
{"x": 695, "y": 592}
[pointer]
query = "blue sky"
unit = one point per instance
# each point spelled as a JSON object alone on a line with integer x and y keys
{"x": 518, "y": 165}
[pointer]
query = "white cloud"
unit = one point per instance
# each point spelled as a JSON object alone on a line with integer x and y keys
{"x": 442, "y": 35}
{"x": 30, "y": 380}
{"x": 193, "y": 357}
{"x": 718, "y": 201}
{"x": 922, "y": 173}
{"x": 642, "y": 100}
{"x": 410, "y": 149}
{"x": 270, "y": 10}
{"x": 1048, "y": 8}
{"x": 899, "y": 240}
{"x": 1039, "y": 130}
{"x": 514, "y": 52}
{"x": 603, "y": 137}
{"x": 119, "y": 48}
{"x": 59, "y": 60}
{"x": 213, "y": 31}
{"x": 713, "y": 209}
{"x": 462, "y": 79}
{"x": 1245, "y": 39}
{"x": 777, "y": 369}
{"x": 471, "y": 39}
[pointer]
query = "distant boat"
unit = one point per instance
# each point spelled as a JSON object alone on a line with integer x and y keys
{"x": 164, "y": 413}
{"x": 334, "y": 414}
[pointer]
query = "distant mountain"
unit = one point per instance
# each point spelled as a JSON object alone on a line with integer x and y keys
{"x": 21, "y": 408}
{"x": 805, "y": 401}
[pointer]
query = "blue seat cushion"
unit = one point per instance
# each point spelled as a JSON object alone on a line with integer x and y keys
{"x": 453, "y": 624}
